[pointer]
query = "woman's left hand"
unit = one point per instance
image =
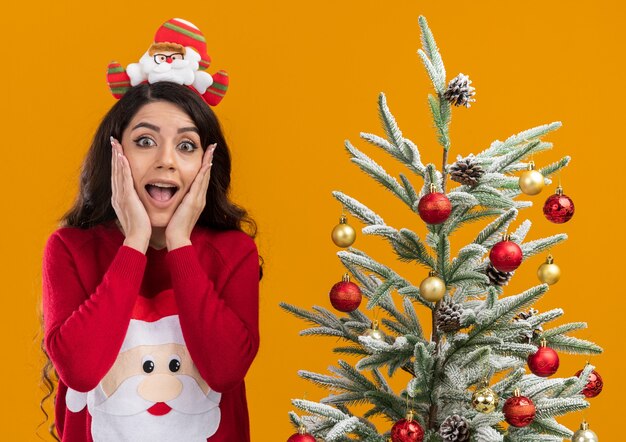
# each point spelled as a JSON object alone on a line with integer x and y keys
{"x": 178, "y": 230}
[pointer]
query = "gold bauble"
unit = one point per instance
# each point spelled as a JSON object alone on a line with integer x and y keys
{"x": 485, "y": 400}
{"x": 549, "y": 272}
{"x": 432, "y": 288}
{"x": 531, "y": 181}
{"x": 343, "y": 234}
{"x": 374, "y": 332}
{"x": 584, "y": 434}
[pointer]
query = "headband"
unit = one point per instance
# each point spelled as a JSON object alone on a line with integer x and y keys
{"x": 179, "y": 55}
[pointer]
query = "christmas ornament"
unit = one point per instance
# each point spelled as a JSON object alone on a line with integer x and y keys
{"x": 527, "y": 336}
{"x": 531, "y": 181}
{"x": 301, "y": 436}
{"x": 432, "y": 288}
{"x": 178, "y": 54}
{"x": 545, "y": 362}
{"x": 496, "y": 277}
{"x": 466, "y": 171}
{"x": 485, "y": 400}
{"x": 584, "y": 434}
{"x": 343, "y": 234}
{"x": 594, "y": 385}
{"x": 374, "y": 332}
{"x": 455, "y": 428}
{"x": 506, "y": 255}
{"x": 518, "y": 410}
{"x": 558, "y": 208}
{"x": 449, "y": 316}
{"x": 345, "y": 296}
{"x": 407, "y": 430}
{"x": 548, "y": 272}
{"x": 434, "y": 207}
{"x": 459, "y": 91}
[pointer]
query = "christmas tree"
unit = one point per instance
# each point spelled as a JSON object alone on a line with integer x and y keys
{"x": 470, "y": 380}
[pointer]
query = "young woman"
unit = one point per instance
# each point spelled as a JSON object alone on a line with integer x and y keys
{"x": 150, "y": 288}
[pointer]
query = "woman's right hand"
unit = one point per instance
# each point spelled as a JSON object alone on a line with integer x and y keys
{"x": 130, "y": 211}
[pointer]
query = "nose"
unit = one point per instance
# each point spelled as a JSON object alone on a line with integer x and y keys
{"x": 160, "y": 388}
{"x": 169, "y": 60}
{"x": 166, "y": 157}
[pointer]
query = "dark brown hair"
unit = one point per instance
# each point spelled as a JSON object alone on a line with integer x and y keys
{"x": 93, "y": 203}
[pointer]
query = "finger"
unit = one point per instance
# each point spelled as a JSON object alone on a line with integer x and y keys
{"x": 195, "y": 193}
{"x": 206, "y": 178}
{"x": 118, "y": 146}
{"x": 113, "y": 171}
{"x": 197, "y": 190}
{"x": 209, "y": 164}
{"x": 126, "y": 172}
{"x": 207, "y": 160}
{"x": 207, "y": 156}
{"x": 201, "y": 186}
{"x": 119, "y": 178}
{"x": 210, "y": 161}
{"x": 122, "y": 180}
{"x": 205, "y": 171}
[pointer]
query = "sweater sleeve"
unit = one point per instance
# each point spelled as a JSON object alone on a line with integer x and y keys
{"x": 221, "y": 330}
{"x": 83, "y": 332}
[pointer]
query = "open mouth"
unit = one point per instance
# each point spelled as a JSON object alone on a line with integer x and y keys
{"x": 161, "y": 192}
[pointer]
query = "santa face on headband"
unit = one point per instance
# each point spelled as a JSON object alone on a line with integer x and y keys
{"x": 170, "y": 62}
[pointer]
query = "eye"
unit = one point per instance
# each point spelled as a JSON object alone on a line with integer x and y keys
{"x": 144, "y": 142}
{"x": 148, "y": 364}
{"x": 174, "y": 364}
{"x": 187, "y": 146}
{"x": 177, "y": 56}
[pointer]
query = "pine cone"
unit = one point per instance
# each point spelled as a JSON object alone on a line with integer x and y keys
{"x": 527, "y": 336}
{"x": 496, "y": 277}
{"x": 455, "y": 428}
{"x": 459, "y": 91}
{"x": 466, "y": 171}
{"x": 449, "y": 316}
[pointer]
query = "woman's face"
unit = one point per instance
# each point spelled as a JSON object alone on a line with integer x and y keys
{"x": 162, "y": 145}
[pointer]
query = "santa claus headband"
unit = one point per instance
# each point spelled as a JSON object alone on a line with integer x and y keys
{"x": 178, "y": 54}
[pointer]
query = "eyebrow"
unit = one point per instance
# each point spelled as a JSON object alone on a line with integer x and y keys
{"x": 158, "y": 129}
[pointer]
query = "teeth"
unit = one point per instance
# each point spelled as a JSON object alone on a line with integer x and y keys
{"x": 162, "y": 185}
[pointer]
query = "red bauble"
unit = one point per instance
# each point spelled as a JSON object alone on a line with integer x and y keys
{"x": 595, "y": 384}
{"x": 544, "y": 363}
{"x": 558, "y": 208}
{"x": 506, "y": 256}
{"x": 434, "y": 208}
{"x": 519, "y": 411}
{"x": 407, "y": 430}
{"x": 297, "y": 437}
{"x": 345, "y": 296}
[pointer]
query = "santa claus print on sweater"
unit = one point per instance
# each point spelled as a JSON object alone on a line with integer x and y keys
{"x": 153, "y": 391}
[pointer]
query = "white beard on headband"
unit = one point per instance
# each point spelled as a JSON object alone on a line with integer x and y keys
{"x": 184, "y": 72}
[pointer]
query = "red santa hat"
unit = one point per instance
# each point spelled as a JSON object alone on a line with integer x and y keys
{"x": 154, "y": 321}
{"x": 186, "y": 34}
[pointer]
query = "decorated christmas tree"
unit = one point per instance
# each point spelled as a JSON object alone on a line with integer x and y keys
{"x": 486, "y": 371}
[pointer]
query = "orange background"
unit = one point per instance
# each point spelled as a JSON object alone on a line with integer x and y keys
{"x": 304, "y": 77}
